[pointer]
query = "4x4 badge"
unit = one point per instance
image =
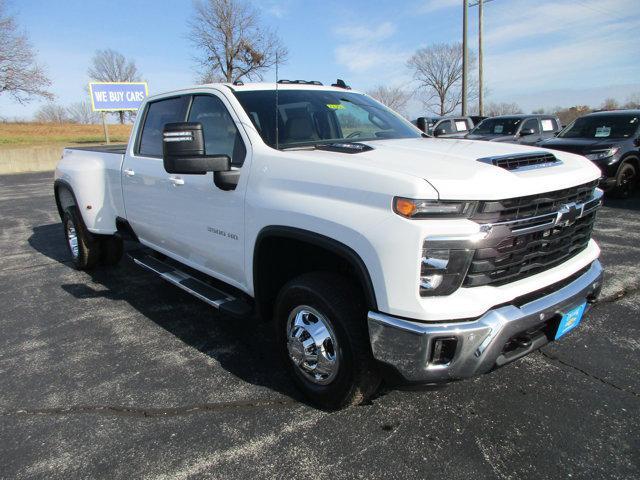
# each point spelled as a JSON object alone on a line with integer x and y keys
{"x": 567, "y": 215}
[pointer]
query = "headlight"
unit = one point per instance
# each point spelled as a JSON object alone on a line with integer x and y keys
{"x": 411, "y": 208}
{"x": 442, "y": 270}
{"x": 600, "y": 154}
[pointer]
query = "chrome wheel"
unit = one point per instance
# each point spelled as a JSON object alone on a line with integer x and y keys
{"x": 72, "y": 239}
{"x": 312, "y": 345}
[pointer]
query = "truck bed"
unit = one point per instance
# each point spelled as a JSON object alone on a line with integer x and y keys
{"x": 119, "y": 148}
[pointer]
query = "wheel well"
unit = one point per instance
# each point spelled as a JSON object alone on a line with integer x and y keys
{"x": 633, "y": 160}
{"x": 64, "y": 196}
{"x": 284, "y": 253}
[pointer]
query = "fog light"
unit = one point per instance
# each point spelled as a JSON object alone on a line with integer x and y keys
{"x": 443, "y": 351}
{"x": 442, "y": 270}
{"x": 430, "y": 282}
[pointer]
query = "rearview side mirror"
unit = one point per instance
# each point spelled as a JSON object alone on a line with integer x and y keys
{"x": 527, "y": 131}
{"x": 184, "y": 151}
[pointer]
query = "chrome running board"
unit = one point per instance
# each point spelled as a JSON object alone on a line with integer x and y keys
{"x": 215, "y": 297}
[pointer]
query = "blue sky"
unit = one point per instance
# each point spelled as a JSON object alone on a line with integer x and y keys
{"x": 538, "y": 53}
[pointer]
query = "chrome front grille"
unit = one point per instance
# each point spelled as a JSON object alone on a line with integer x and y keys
{"x": 533, "y": 234}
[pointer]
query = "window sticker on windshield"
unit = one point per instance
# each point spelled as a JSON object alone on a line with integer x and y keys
{"x": 498, "y": 129}
{"x": 461, "y": 126}
{"x": 335, "y": 106}
{"x": 547, "y": 125}
{"x": 603, "y": 131}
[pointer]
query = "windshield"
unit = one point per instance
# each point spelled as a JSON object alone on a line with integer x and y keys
{"x": 497, "y": 126}
{"x": 307, "y": 117}
{"x": 602, "y": 126}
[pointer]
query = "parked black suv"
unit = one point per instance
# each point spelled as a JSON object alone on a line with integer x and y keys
{"x": 612, "y": 141}
{"x": 525, "y": 129}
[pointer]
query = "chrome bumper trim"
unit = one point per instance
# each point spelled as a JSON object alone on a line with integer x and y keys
{"x": 406, "y": 345}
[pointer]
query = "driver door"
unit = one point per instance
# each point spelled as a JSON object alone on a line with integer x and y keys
{"x": 208, "y": 228}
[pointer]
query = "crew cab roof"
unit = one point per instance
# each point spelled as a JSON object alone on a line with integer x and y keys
{"x": 613, "y": 112}
{"x": 524, "y": 115}
{"x": 255, "y": 86}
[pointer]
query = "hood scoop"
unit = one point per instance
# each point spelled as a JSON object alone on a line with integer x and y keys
{"x": 345, "y": 147}
{"x": 523, "y": 161}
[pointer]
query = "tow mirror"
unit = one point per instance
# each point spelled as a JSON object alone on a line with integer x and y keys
{"x": 184, "y": 151}
{"x": 527, "y": 131}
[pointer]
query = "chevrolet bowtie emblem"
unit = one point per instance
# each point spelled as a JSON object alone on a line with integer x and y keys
{"x": 567, "y": 215}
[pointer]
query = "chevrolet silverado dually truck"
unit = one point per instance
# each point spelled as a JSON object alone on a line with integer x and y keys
{"x": 377, "y": 253}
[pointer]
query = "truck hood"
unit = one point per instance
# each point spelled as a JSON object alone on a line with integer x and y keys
{"x": 490, "y": 137}
{"x": 452, "y": 167}
{"x": 580, "y": 146}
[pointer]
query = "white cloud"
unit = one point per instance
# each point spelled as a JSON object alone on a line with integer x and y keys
{"x": 361, "y": 33}
{"x": 433, "y": 5}
{"x": 579, "y": 45}
{"x": 362, "y": 48}
{"x": 278, "y": 9}
{"x": 525, "y": 20}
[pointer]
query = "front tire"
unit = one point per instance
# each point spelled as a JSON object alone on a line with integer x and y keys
{"x": 322, "y": 334}
{"x": 626, "y": 180}
{"x": 83, "y": 247}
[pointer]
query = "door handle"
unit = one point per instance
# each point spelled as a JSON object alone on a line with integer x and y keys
{"x": 176, "y": 181}
{"x": 128, "y": 172}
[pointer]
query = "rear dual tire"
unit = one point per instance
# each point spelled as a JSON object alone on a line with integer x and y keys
{"x": 87, "y": 250}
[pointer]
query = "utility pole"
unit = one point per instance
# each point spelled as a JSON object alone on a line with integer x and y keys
{"x": 480, "y": 4}
{"x": 480, "y": 84}
{"x": 465, "y": 56}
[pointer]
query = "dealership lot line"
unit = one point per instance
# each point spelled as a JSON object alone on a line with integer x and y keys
{"x": 117, "y": 374}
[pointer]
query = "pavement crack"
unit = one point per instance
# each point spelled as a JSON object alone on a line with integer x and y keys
{"x": 37, "y": 265}
{"x": 588, "y": 374}
{"x": 149, "y": 412}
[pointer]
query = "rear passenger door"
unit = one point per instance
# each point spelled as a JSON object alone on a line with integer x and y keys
{"x": 145, "y": 183}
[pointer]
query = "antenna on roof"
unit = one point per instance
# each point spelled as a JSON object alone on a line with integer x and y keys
{"x": 340, "y": 84}
{"x": 277, "y": 132}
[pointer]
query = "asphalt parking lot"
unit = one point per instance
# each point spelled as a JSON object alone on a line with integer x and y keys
{"x": 118, "y": 374}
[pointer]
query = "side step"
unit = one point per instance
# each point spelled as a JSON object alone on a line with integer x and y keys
{"x": 223, "y": 301}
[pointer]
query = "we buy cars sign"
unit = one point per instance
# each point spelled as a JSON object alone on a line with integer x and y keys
{"x": 115, "y": 96}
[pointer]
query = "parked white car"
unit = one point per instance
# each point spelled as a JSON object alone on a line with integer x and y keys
{"x": 375, "y": 251}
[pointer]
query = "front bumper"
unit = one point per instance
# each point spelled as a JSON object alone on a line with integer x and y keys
{"x": 483, "y": 344}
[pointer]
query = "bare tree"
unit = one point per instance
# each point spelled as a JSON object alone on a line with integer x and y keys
{"x": 438, "y": 71}
{"x": 568, "y": 115}
{"x": 394, "y": 97}
{"x": 20, "y": 75}
{"x": 52, "y": 113}
{"x": 502, "y": 108}
{"x": 81, "y": 112}
{"x": 111, "y": 66}
{"x": 232, "y": 42}
{"x": 610, "y": 104}
{"x": 633, "y": 101}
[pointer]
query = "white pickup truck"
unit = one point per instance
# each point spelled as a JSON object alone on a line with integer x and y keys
{"x": 376, "y": 253}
